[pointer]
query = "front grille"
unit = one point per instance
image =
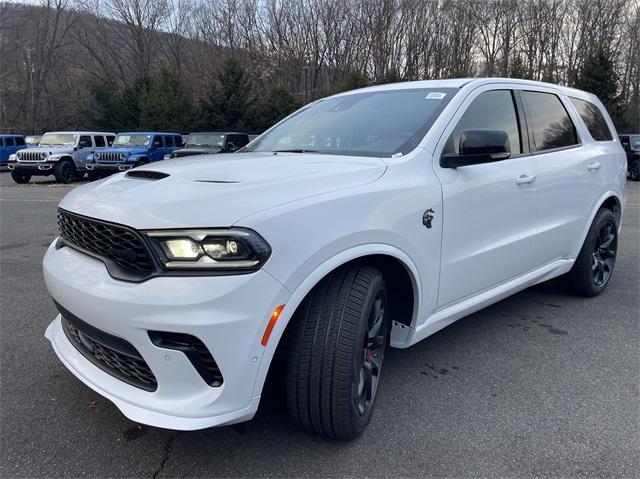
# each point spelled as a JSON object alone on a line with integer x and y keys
{"x": 146, "y": 175}
{"x": 112, "y": 243}
{"x": 30, "y": 156}
{"x": 113, "y": 355}
{"x": 108, "y": 157}
{"x": 195, "y": 350}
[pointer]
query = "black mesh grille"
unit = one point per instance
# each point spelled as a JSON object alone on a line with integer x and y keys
{"x": 128, "y": 366}
{"x": 146, "y": 175}
{"x": 195, "y": 350}
{"x": 116, "y": 243}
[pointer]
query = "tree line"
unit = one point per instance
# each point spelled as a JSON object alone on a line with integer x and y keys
{"x": 243, "y": 64}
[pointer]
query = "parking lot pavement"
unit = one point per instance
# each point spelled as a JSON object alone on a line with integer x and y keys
{"x": 540, "y": 384}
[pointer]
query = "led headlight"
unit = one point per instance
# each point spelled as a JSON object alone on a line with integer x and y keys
{"x": 123, "y": 156}
{"x": 226, "y": 249}
{"x": 98, "y": 155}
{"x": 43, "y": 156}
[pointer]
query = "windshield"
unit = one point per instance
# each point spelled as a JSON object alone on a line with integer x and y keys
{"x": 203, "y": 139}
{"x": 132, "y": 140}
{"x": 378, "y": 123}
{"x": 635, "y": 142}
{"x": 32, "y": 140}
{"x": 58, "y": 139}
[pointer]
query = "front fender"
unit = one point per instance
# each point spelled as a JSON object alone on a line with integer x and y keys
{"x": 133, "y": 158}
{"x": 307, "y": 284}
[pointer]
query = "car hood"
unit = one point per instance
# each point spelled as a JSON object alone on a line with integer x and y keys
{"x": 211, "y": 191}
{"x": 49, "y": 150}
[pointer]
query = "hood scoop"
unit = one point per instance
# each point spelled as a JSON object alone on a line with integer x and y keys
{"x": 146, "y": 175}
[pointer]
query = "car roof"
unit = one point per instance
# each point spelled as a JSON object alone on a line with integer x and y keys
{"x": 148, "y": 133}
{"x": 472, "y": 82}
{"x": 10, "y": 135}
{"x": 77, "y": 133}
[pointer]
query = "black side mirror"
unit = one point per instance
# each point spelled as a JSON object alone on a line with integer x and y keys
{"x": 479, "y": 146}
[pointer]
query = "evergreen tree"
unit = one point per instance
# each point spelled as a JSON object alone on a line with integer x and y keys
{"x": 353, "y": 80}
{"x": 112, "y": 110}
{"x": 598, "y": 76}
{"x": 269, "y": 110}
{"x": 167, "y": 104}
{"x": 228, "y": 100}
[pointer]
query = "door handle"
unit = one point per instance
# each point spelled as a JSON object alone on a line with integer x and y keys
{"x": 525, "y": 180}
{"x": 593, "y": 166}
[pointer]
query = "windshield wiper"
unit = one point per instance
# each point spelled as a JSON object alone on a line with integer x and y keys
{"x": 295, "y": 150}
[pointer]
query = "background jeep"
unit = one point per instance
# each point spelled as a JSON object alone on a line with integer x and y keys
{"x": 63, "y": 154}
{"x": 631, "y": 145}
{"x": 10, "y": 144}
{"x": 132, "y": 149}
{"x": 211, "y": 142}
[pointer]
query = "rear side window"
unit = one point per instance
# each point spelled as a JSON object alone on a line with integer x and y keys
{"x": 99, "y": 141}
{"x": 19, "y": 141}
{"x": 8, "y": 141}
{"x": 494, "y": 110}
{"x": 550, "y": 124}
{"x": 168, "y": 141}
{"x": 593, "y": 118}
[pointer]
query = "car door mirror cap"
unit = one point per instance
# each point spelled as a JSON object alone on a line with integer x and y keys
{"x": 479, "y": 146}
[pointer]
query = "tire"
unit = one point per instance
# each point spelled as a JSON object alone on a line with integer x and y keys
{"x": 20, "y": 177}
{"x": 93, "y": 175}
{"x": 64, "y": 172}
{"x": 634, "y": 170}
{"x": 333, "y": 368}
{"x": 594, "y": 266}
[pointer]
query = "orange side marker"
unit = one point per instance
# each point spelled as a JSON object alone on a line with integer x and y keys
{"x": 272, "y": 322}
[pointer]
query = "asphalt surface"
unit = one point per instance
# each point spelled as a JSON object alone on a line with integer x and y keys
{"x": 539, "y": 385}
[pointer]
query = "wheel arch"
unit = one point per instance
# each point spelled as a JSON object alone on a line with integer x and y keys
{"x": 399, "y": 272}
{"x": 610, "y": 200}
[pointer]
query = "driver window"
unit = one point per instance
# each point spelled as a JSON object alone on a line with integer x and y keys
{"x": 494, "y": 110}
{"x": 157, "y": 142}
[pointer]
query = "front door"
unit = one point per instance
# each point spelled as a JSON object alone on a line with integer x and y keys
{"x": 489, "y": 210}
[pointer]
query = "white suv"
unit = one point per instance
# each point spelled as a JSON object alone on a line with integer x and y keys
{"x": 368, "y": 219}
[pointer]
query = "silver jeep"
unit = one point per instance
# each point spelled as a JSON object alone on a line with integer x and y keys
{"x": 63, "y": 154}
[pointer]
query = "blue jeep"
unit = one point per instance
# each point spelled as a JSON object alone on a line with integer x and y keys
{"x": 9, "y": 145}
{"x": 130, "y": 150}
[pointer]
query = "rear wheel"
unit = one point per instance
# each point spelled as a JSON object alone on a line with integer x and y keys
{"x": 64, "y": 171}
{"x": 336, "y": 351}
{"x": 594, "y": 265}
{"x": 634, "y": 170}
{"x": 20, "y": 176}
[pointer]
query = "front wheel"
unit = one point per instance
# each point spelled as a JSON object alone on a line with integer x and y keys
{"x": 336, "y": 351}
{"x": 594, "y": 265}
{"x": 64, "y": 172}
{"x": 20, "y": 176}
{"x": 634, "y": 170}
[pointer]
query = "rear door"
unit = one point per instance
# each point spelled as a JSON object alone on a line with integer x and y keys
{"x": 569, "y": 172}
{"x": 489, "y": 210}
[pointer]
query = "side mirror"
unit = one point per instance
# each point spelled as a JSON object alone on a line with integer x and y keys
{"x": 479, "y": 146}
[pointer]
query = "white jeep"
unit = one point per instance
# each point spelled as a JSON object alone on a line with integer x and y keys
{"x": 63, "y": 154}
{"x": 368, "y": 219}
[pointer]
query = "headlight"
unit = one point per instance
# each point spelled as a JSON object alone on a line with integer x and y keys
{"x": 13, "y": 157}
{"x": 225, "y": 249}
{"x": 98, "y": 155}
{"x": 43, "y": 156}
{"x": 18, "y": 155}
{"x": 123, "y": 156}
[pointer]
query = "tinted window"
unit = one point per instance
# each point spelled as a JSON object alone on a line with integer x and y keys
{"x": 593, "y": 118}
{"x": 85, "y": 142}
{"x": 8, "y": 141}
{"x": 168, "y": 142}
{"x": 19, "y": 141}
{"x": 99, "y": 141}
{"x": 549, "y": 122}
{"x": 110, "y": 139}
{"x": 157, "y": 142}
{"x": 494, "y": 110}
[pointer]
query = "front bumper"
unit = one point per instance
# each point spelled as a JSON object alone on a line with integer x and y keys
{"x": 32, "y": 167}
{"x": 227, "y": 313}
{"x": 110, "y": 167}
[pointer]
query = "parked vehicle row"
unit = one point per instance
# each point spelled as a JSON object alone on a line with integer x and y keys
{"x": 68, "y": 155}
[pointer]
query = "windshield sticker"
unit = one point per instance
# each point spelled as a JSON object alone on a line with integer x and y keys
{"x": 435, "y": 95}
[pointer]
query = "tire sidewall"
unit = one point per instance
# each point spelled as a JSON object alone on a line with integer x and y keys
{"x": 602, "y": 216}
{"x": 65, "y": 172}
{"x": 20, "y": 177}
{"x": 359, "y": 422}
{"x": 634, "y": 170}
